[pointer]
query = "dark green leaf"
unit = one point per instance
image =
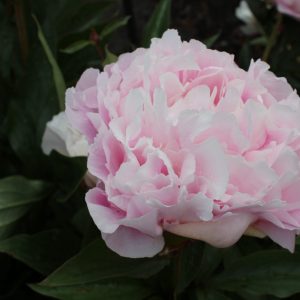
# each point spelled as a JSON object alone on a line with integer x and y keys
{"x": 210, "y": 260}
{"x": 110, "y": 290}
{"x": 261, "y": 40}
{"x": 17, "y": 191}
{"x": 67, "y": 173}
{"x": 274, "y": 272}
{"x": 80, "y": 16}
{"x": 76, "y": 46}
{"x": 22, "y": 135}
{"x": 259, "y": 9}
{"x": 109, "y": 57}
{"x": 57, "y": 74}
{"x": 230, "y": 254}
{"x": 7, "y": 38}
{"x": 34, "y": 250}
{"x": 211, "y": 40}
{"x": 210, "y": 295}
{"x": 16, "y": 195}
{"x": 33, "y": 104}
{"x": 113, "y": 26}
{"x": 245, "y": 56}
{"x": 188, "y": 263}
{"x": 158, "y": 23}
{"x": 97, "y": 262}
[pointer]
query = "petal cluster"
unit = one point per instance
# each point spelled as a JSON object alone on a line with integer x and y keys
{"x": 181, "y": 139}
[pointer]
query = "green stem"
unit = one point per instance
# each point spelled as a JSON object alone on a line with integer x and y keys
{"x": 177, "y": 274}
{"x": 273, "y": 37}
{"x": 22, "y": 29}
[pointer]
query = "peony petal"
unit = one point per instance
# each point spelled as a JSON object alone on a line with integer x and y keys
{"x": 283, "y": 237}
{"x": 171, "y": 86}
{"x": 54, "y": 140}
{"x": 104, "y": 216}
{"x": 131, "y": 243}
{"x": 221, "y": 233}
{"x": 88, "y": 79}
{"x": 61, "y": 137}
{"x": 148, "y": 223}
{"x": 211, "y": 163}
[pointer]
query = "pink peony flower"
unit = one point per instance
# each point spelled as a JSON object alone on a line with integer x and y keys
{"x": 183, "y": 140}
{"x": 289, "y": 7}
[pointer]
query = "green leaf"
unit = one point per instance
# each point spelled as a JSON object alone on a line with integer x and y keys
{"x": 259, "y": 9}
{"x": 82, "y": 16}
{"x": 245, "y": 56}
{"x": 11, "y": 215}
{"x": 211, "y": 40}
{"x": 109, "y": 57}
{"x": 18, "y": 191}
{"x": 16, "y": 195}
{"x": 210, "y": 260}
{"x": 33, "y": 104}
{"x": 155, "y": 297}
{"x": 76, "y": 46}
{"x": 210, "y": 295}
{"x": 110, "y": 290}
{"x": 273, "y": 272}
{"x": 97, "y": 262}
{"x": 34, "y": 250}
{"x": 113, "y": 26}
{"x": 261, "y": 40}
{"x": 57, "y": 74}
{"x": 230, "y": 254}
{"x": 188, "y": 262}
{"x": 7, "y": 37}
{"x": 158, "y": 23}
{"x": 95, "y": 271}
{"x": 67, "y": 173}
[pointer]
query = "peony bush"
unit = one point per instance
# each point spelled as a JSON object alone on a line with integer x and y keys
{"x": 183, "y": 140}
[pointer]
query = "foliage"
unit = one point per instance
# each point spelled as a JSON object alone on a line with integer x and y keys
{"x": 48, "y": 243}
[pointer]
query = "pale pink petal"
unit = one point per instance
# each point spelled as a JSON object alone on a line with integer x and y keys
{"x": 88, "y": 79}
{"x": 285, "y": 238}
{"x": 147, "y": 223}
{"x": 289, "y": 7}
{"x": 171, "y": 86}
{"x": 222, "y": 233}
{"x": 211, "y": 163}
{"x": 131, "y": 243}
{"x": 104, "y": 215}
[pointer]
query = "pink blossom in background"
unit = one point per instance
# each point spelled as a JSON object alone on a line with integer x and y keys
{"x": 183, "y": 140}
{"x": 289, "y": 7}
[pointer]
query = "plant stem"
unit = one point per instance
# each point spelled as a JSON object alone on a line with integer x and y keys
{"x": 22, "y": 29}
{"x": 273, "y": 37}
{"x": 175, "y": 248}
{"x": 177, "y": 274}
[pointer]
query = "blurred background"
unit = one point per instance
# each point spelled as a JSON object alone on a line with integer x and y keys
{"x": 45, "y": 46}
